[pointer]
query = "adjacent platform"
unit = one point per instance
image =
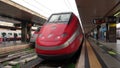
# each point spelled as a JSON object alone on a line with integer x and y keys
{"x": 97, "y": 54}
{"x": 10, "y": 43}
{"x": 11, "y": 46}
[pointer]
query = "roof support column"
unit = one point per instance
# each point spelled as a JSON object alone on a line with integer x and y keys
{"x": 111, "y": 32}
{"x": 29, "y": 32}
{"x": 24, "y": 32}
{"x": 111, "y": 29}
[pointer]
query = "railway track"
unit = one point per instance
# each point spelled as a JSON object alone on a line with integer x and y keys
{"x": 67, "y": 63}
{"x": 28, "y": 59}
{"x": 32, "y": 61}
{"x": 20, "y": 59}
{"x": 56, "y": 64}
{"x": 10, "y": 56}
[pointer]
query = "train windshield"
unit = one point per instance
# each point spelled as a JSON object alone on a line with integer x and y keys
{"x": 59, "y": 18}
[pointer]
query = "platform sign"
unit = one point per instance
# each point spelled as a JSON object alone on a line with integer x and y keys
{"x": 99, "y": 21}
{"x": 112, "y": 25}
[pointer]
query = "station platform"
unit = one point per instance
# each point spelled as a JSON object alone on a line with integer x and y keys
{"x": 98, "y": 54}
{"x": 10, "y": 43}
{"x": 12, "y": 46}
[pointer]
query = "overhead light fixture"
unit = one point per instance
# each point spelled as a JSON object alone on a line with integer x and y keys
{"x": 117, "y": 14}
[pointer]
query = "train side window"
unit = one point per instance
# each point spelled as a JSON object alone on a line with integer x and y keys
{"x": 10, "y": 33}
{"x": 4, "y": 34}
{"x": 15, "y": 35}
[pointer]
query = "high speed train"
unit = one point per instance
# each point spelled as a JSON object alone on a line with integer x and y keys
{"x": 60, "y": 37}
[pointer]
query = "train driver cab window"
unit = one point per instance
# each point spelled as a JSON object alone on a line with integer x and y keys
{"x": 62, "y": 18}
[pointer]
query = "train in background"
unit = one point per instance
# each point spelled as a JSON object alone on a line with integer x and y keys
{"x": 9, "y": 35}
{"x": 60, "y": 37}
{"x": 34, "y": 36}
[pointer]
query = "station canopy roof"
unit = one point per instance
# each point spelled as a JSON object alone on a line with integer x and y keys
{"x": 94, "y": 9}
{"x": 14, "y": 11}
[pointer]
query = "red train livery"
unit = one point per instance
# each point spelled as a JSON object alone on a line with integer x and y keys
{"x": 60, "y": 37}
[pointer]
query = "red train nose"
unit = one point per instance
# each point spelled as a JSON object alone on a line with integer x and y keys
{"x": 52, "y": 32}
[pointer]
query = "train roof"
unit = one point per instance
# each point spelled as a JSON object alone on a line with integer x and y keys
{"x": 63, "y": 13}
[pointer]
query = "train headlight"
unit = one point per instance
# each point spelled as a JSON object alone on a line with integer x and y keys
{"x": 58, "y": 37}
{"x": 64, "y": 35}
{"x": 61, "y": 36}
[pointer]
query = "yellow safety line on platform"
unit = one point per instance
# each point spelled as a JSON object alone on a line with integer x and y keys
{"x": 81, "y": 61}
{"x": 93, "y": 61}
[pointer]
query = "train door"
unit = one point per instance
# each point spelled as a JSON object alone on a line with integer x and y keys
{"x": 9, "y": 36}
{"x": 19, "y": 35}
{"x": 15, "y": 36}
